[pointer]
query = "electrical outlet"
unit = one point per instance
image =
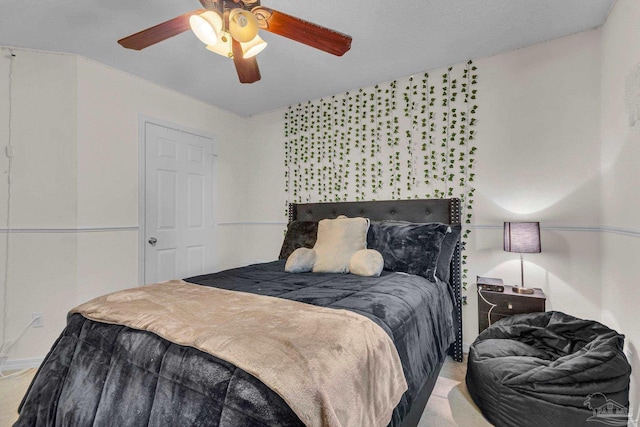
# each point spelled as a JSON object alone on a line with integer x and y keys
{"x": 39, "y": 322}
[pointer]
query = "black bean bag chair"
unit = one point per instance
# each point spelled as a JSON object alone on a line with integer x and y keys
{"x": 547, "y": 369}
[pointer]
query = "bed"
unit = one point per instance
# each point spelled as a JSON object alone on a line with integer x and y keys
{"x": 99, "y": 373}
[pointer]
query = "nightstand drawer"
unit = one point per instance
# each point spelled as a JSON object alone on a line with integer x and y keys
{"x": 508, "y": 305}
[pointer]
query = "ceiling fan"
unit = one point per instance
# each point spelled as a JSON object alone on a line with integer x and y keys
{"x": 230, "y": 28}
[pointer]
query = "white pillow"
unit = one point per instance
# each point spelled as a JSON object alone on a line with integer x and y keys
{"x": 300, "y": 261}
{"x": 338, "y": 239}
{"x": 366, "y": 262}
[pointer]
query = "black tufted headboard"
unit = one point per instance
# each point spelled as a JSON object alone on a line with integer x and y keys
{"x": 416, "y": 210}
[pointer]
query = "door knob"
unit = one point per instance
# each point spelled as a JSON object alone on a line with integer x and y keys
{"x": 153, "y": 241}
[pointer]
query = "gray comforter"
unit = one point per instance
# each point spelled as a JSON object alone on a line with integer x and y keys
{"x": 100, "y": 374}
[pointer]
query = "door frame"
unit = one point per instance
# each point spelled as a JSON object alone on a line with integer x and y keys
{"x": 142, "y": 177}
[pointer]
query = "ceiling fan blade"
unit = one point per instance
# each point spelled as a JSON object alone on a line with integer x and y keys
{"x": 247, "y": 68}
{"x": 302, "y": 31}
{"x": 158, "y": 33}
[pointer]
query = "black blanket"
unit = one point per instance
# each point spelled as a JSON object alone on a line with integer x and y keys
{"x": 100, "y": 374}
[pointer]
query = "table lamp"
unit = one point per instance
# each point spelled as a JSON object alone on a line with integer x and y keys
{"x": 522, "y": 237}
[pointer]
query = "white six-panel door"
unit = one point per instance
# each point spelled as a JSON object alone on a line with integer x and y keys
{"x": 178, "y": 204}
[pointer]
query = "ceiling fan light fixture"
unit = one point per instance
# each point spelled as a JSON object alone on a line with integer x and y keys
{"x": 230, "y": 28}
{"x": 223, "y": 47}
{"x": 206, "y": 26}
{"x": 243, "y": 25}
{"x": 254, "y": 47}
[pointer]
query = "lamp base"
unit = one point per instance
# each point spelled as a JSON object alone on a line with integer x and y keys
{"x": 520, "y": 290}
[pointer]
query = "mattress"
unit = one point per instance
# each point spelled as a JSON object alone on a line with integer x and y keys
{"x": 101, "y": 374}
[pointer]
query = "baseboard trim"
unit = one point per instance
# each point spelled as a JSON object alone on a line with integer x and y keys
{"x": 19, "y": 364}
{"x": 589, "y": 229}
{"x": 623, "y": 231}
{"x": 67, "y": 230}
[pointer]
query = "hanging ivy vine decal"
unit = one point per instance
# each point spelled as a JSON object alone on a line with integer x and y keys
{"x": 408, "y": 138}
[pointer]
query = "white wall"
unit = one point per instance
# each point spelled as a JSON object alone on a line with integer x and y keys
{"x": 109, "y": 105}
{"x": 537, "y": 159}
{"x": 266, "y": 199}
{"x": 621, "y": 178}
{"x": 75, "y": 133}
{"x": 42, "y": 266}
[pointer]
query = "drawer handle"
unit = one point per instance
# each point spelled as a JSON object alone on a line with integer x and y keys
{"x": 510, "y": 306}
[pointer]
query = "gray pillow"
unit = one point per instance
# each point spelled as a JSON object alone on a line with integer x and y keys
{"x": 443, "y": 270}
{"x": 300, "y": 234}
{"x": 408, "y": 247}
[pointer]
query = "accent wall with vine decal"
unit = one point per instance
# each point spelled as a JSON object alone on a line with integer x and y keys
{"x": 409, "y": 138}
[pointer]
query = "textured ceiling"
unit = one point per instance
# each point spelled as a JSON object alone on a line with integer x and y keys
{"x": 390, "y": 40}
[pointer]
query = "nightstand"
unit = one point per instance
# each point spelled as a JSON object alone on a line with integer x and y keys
{"x": 493, "y": 306}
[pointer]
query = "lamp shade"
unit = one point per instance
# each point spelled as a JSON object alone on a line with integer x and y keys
{"x": 254, "y": 47}
{"x": 522, "y": 237}
{"x": 206, "y": 26}
{"x": 243, "y": 25}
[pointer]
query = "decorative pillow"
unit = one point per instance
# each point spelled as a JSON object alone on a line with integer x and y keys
{"x": 300, "y": 234}
{"x": 338, "y": 239}
{"x": 443, "y": 269}
{"x": 366, "y": 262}
{"x": 409, "y": 247}
{"x": 300, "y": 261}
{"x": 371, "y": 233}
